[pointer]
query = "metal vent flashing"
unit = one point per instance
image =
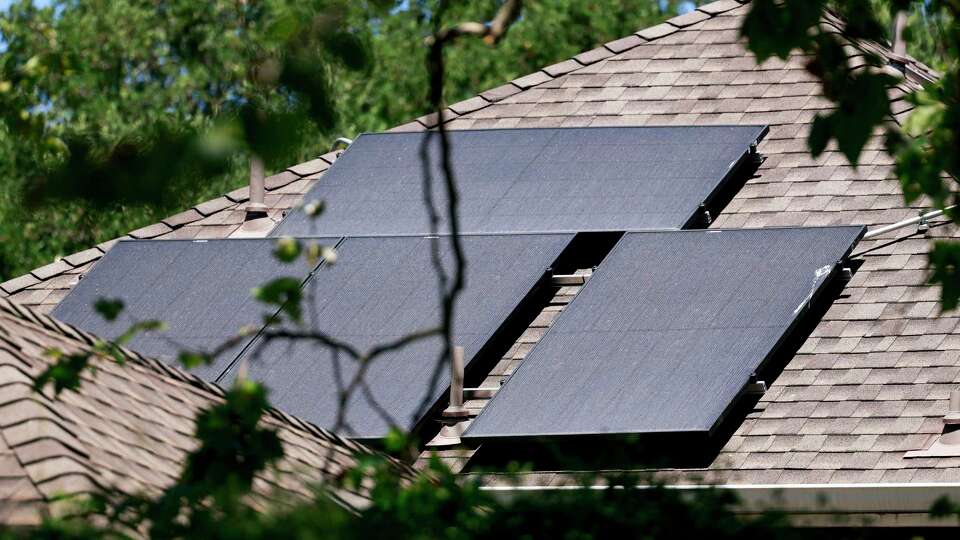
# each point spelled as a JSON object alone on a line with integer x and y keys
{"x": 947, "y": 444}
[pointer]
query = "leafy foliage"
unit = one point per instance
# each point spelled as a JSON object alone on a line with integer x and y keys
{"x": 108, "y": 308}
{"x": 283, "y": 292}
{"x": 64, "y": 373}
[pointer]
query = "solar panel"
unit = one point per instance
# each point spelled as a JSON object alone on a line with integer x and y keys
{"x": 200, "y": 289}
{"x": 529, "y": 180}
{"x": 383, "y": 288}
{"x": 666, "y": 334}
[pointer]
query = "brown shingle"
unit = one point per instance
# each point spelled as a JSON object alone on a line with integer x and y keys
{"x": 181, "y": 219}
{"x": 500, "y": 92}
{"x": 623, "y": 44}
{"x": 50, "y": 270}
{"x": 19, "y": 283}
{"x": 83, "y": 257}
{"x": 689, "y": 18}
{"x": 281, "y": 179}
{"x": 210, "y": 207}
{"x": 469, "y": 105}
{"x": 562, "y": 68}
{"x": 657, "y": 31}
{"x": 309, "y": 167}
{"x": 718, "y": 7}
{"x": 150, "y": 231}
{"x": 593, "y": 55}
{"x": 531, "y": 80}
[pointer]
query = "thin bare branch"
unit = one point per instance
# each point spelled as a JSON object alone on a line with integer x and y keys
{"x": 491, "y": 32}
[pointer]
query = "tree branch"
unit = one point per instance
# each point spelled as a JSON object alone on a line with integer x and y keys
{"x": 491, "y": 32}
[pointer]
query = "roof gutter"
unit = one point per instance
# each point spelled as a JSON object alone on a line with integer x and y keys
{"x": 888, "y": 504}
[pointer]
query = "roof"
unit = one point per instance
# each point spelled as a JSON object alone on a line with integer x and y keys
{"x": 872, "y": 380}
{"x": 128, "y": 427}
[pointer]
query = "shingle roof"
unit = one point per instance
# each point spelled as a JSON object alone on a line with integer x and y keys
{"x": 873, "y": 378}
{"x": 128, "y": 427}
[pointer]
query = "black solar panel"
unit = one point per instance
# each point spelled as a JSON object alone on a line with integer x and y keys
{"x": 200, "y": 289}
{"x": 381, "y": 289}
{"x": 666, "y": 333}
{"x": 529, "y": 180}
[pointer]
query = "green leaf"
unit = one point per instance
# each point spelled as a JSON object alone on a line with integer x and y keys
{"x": 396, "y": 441}
{"x": 313, "y": 209}
{"x": 863, "y": 106}
{"x": 287, "y": 249}
{"x": 283, "y": 292}
{"x": 64, "y": 373}
{"x": 943, "y": 507}
{"x": 776, "y": 27}
{"x": 108, "y": 308}
{"x": 233, "y": 447}
{"x": 924, "y": 118}
{"x": 190, "y": 360}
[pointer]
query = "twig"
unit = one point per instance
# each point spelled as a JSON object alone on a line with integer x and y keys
{"x": 491, "y": 32}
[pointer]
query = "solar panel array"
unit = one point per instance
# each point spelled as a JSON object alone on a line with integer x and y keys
{"x": 667, "y": 332}
{"x": 662, "y": 338}
{"x": 380, "y": 290}
{"x": 199, "y": 289}
{"x": 529, "y": 180}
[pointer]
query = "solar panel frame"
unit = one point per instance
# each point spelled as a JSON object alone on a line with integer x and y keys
{"x": 531, "y": 180}
{"x": 561, "y": 394}
{"x": 198, "y": 317}
{"x": 382, "y": 288}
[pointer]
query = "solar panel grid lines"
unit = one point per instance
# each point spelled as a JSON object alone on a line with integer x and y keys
{"x": 383, "y": 288}
{"x": 200, "y": 290}
{"x": 530, "y": 180}
{"x": 666, "y": 333}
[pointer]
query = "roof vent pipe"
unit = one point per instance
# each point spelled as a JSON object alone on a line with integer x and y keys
{"x": 256, "y": 208}
{"x": 456, "y": 409}
{"x": 454, "y": 415}
{"x": 951, "y": 422}
{"x": 899, "y": 25}
{"x": 948, "y": 443}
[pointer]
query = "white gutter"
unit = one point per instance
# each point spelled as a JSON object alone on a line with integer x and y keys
{"x": 874, "y": 499}
{"x": 907, "y": 222}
